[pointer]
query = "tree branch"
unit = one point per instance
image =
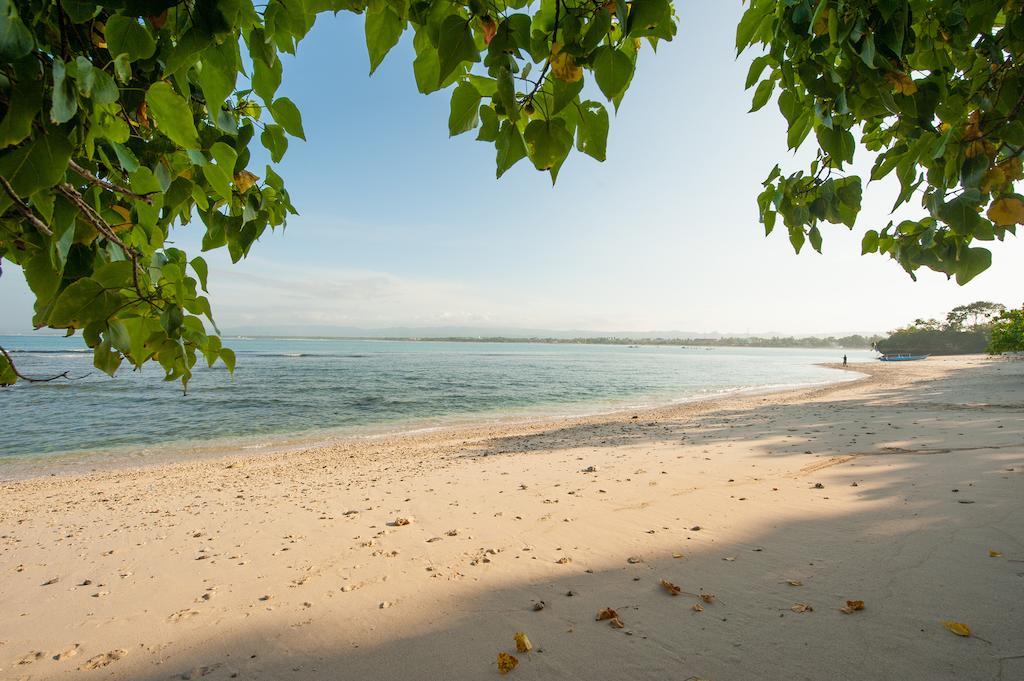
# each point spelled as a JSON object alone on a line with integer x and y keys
{"x": 24, "y": 209}
{"x": 106, "y": 184}
{"x": 28, "y": 379}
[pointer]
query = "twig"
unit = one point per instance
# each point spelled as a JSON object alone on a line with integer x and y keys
{"x": 106, "y": 184}
{"x": 24, "y": 209}
{"x": 94, "y": 218}
{"x": 34, "y": 380}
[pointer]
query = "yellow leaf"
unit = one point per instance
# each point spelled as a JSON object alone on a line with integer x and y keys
{"x": 523, "y": 644}
{"x": 958, "y": 628}
{"x": 506, "y": 663}
{"x": 794, "y": 582}
{"x": 994, "y": 554}
{"x": 670, "y": 587}
{"x": 563, "y": 65}
{"x": 244, "y": 180}
{"x": 1008, "y": 210}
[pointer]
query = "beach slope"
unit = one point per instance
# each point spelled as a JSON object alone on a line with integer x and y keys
{"x": 420, "y": 556}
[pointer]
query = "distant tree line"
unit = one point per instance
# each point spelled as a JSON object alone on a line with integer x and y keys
{"x": 967, "y": 329}
{"x": 853, "y": 342}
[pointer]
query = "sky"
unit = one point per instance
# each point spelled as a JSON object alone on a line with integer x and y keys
{"x": 401, "y": 226}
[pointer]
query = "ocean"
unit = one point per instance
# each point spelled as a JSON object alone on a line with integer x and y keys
{"x": 294, "y": 391}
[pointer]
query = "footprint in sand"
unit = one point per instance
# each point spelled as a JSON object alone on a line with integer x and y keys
{"x": 69, "y": 653}
{"x": 103, "y": 659}
{"x": 30, "y": 657}
{"x": 182, "y": 615}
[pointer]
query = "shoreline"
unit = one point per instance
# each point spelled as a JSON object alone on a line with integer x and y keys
{"x": 282, "y": 444}
{"x": 79, "y": 463}
{"x": 419, "y": 556}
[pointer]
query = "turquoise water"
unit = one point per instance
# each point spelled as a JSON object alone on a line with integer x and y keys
{"x": 285, "y": 390}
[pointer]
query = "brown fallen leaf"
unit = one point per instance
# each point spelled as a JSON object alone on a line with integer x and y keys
{"x": 801, "y": 607}
{"x": 616, "y": 623}
{"x": 670, "y": 587}
{"x": 678, "y": 555}
{"x": 697, "y": 607}
{"x": 729, "y": 558}
{"x": 523, "y": 644}
{"x": 399, "y": 522}
{"x": 607, "y": 614}
{"x": 852, "y": 606}
{"x": 958, "y": 628}
{"x": 506, "y": 663}
{"x": 994, "y": 554}
{"x": 708, "y": 598}
{"x": 794, "y": 582}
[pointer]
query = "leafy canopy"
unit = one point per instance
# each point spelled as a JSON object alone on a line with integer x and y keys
{"x": 1008, "y": 332}
{"x": 934, "y": 87}
{"x": 121, "y": 121}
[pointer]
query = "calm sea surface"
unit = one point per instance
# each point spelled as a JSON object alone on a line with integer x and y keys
{"x": 289, "y": 390}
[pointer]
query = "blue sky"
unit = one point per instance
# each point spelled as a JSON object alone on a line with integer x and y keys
{"x": 401, "y": 225}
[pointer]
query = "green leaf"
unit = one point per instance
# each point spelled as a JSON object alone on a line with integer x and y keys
{"x": 455, "y": 45}
{"x": 266, "y": 79}
{"x": 288, "y": 117}
{"x": 762, "y": 94}
{"x": 489, "y": 125}
{"x": 217, "y": 74}
{"x": 37, "y": 165}
{"x": 510, "y": 146}
{"x": 613, "y": 70}
{"x": 971, "y": 263}
{"x": 7, "y": 375}
{"x": 202, "y": 271}
{"x": 125, "y": 35}
{"x": 592, "y": 135}
{"x": 564, "y": 93}
{"x": 25, "y": 103}
{"x": 465, "y": 106}
{"x": 15, "y": 39}
{"x": 227, "y": 355}
{"x": 274, "y": 141}
{"x": 547, "y": 142}
{"x": 869, "y": 244}
{"x": 172, "y": 114}
{"x": 82, "y": 302}
{"x": 384, "y": 26}
{"x": 65, "y": 98}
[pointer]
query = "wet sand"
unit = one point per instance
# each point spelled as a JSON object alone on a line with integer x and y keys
{"x": 420, "y": 556}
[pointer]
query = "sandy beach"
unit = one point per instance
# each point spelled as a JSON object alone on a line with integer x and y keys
{"x": 421, "y": 556}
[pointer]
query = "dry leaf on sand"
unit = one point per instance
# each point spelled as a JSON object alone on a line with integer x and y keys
{"x": 852, "y": 606}
{"x": 801, "y": 607}
{"x": 992, "y": 553}
{"x": 958, "y": 628}
{"x": 794, "y": 582}
{"x": 616, "y": 623}
{"x": 506, "y": 663}
{"x": 523, "y": 644}
{"x": 670, "y": 587}
{"x": 607, "y": 614}
{"x": 697, "y": 607}
{"x": 708, "y": 598}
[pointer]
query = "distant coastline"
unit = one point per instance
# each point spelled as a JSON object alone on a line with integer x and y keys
{"x": 855, "y": 342}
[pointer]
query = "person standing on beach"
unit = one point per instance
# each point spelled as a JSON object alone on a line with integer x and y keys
{"x": 844, "y": 360}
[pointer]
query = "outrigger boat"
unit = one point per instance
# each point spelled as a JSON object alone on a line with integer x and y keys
{"x": 902, "y": 357}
